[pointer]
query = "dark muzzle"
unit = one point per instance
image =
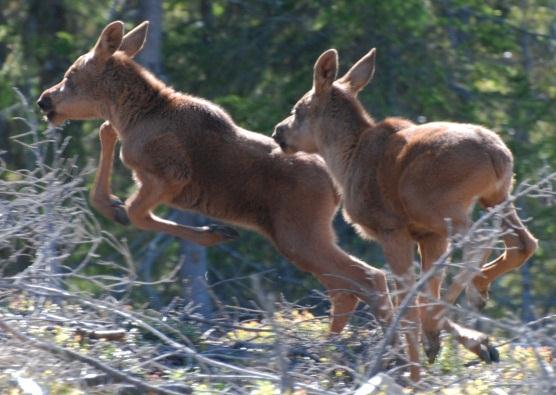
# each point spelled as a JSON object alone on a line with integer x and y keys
{"x": 45, "y": 103}
{"x": 278, "y": 136}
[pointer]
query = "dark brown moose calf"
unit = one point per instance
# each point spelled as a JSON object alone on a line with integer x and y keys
{"x": 400, "y": 182}
{"x": 186, "y": 152}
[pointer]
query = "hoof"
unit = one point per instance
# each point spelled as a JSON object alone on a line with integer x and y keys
{"x": 489, "y": 354}
{"x": 120, "y": 213}
{"x": 494, "y": 354}
{"x": 431, "y": 344}
{"x": 227, "y": 233}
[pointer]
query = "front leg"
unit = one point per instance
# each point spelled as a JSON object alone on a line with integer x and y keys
{"x": 150, "y": 194}
{"x": 101, "y": 197}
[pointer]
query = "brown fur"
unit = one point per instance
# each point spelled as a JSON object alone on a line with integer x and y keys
{"x": 401, "y": 181}
{"x": 187, "y": 153}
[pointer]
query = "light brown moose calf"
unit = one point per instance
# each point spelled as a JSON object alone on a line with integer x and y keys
{"x": 186, "y": 152}
{"x": 400, "y": 182}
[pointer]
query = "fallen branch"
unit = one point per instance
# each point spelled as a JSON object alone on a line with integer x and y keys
{"x": 75, "y": 356}
{"x": 112, "y": 335}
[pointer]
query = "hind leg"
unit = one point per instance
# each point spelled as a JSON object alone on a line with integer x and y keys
{"x": 346, "y": 278}
{"x": 361, "y": 281}
{"x": 342, "y": 306}
{"x": 475, "y": 341}
{"x": 435, "y": 319}
{"x": 520, "y": 245}
{"x": 347, "y": 281}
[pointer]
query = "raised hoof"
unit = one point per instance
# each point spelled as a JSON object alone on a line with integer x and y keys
{"x": 431, "y": 344}
{"x": 227, "y": 233}
{"x": 489, "y": 354}
{"x": 120, "y": 213}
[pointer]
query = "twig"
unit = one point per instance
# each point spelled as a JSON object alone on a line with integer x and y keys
{"x": 74, "y": 356}
{"x": 47, "y": 291}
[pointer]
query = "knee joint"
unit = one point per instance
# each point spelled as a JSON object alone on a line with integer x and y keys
{"x": 138, "y": 217}
{"x": 530, "y": 246}
{"x": 107, "y": 133}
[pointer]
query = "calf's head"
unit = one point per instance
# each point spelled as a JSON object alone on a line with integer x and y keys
{"x": 331, "y": 104}
{"x": 81, "y": 94}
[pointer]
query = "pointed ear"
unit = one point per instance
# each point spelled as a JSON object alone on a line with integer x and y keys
{"x": 109, "y": 40}
{"x": 133, "y": 41}
{"x": 360, "y": 73}
{"x": 325, "y": 71}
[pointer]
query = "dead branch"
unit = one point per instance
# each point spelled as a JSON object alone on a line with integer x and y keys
{"x": 74, "y": 356}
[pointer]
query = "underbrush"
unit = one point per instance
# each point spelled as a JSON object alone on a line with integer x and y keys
{"x": 237, "y": 351}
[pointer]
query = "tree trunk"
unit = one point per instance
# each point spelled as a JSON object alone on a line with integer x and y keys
{"x": 193, "y": 257}
{"x": 208, "y": 19}
{"x": 193, "y": 261}
{"x": 151, "y": 55}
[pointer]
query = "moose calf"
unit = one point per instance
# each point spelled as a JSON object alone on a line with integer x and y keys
{"x": 188, "y": 153}
{"x": 400, "y": 182}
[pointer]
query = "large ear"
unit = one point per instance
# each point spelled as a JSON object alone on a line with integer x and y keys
{"x": 360, "y": 73}
{"x": 109, "y": 40}
{"x": 325, "y": 71}
{"x": 133, "y": 41}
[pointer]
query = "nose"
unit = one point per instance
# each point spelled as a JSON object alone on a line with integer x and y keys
{"x": 278, "y": 134}
{"x": 45, "y": 102}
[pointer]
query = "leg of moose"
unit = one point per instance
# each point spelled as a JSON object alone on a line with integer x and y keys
{"x": 431, "y": 249}
{"x": 520, "y": 245}
{"x": 342, "y": 305}
{"x": 475, "y": 341}
{"x": 398, "y": 250}
{"x": 433, "y": 317}
{"x": 101, "y": 196}
{"x": 346, "y": 279}
{"x": 473, "y": 258}
{"x": 139, "y": 207}
{"x": 474, "y": 255}
{"x": 367, "y": 283}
